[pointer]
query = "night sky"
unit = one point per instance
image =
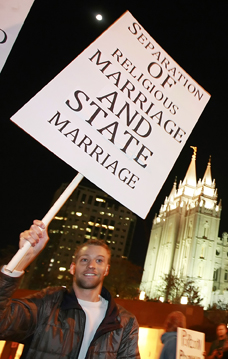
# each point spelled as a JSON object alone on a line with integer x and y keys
{"x": 193, "y": 33}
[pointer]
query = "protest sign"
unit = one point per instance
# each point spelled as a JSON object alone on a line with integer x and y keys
{"x": 12, "y": 17}
{"x": 120, "y": 113}
{"x": 190, "y": 344}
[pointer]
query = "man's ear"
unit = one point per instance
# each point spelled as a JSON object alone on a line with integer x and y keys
{"x": 107, "y": 270}
{"x": 72, "y": 268}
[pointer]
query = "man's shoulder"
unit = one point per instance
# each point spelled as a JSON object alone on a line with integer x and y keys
{"x": 124, "y": 313}
{"x": 54, "y": 294}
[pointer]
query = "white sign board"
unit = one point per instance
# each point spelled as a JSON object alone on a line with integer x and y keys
{"x": 190, "y": 344}
{"x": 120, "y": 114}
{"x": 12, "y": 17}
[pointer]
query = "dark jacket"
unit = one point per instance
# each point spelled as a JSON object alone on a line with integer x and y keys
{"x": 169, "y": 339}
{"x": 55, "y": 322}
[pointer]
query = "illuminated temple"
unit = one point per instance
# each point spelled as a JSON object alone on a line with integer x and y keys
{"x": 184, "y": 239}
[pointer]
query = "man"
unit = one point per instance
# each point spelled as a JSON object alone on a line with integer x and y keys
{"x": 82, "y": 323}
{"x": 219, "y": 348}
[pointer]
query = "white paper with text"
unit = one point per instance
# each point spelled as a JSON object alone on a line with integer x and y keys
{"x": 120, "y": 113}
{"x": 12, "y": 16}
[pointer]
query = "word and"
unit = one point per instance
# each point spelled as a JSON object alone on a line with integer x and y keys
{"x": 112, "y": 131}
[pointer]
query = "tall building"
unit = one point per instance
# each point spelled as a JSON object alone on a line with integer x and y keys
{"x": 88, "y": 213}
{"x": 184, "y": 238}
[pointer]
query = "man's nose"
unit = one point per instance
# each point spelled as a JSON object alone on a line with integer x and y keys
{"x": 92, "y": 263}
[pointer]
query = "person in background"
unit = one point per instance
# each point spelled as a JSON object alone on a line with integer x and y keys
{"x": 219, "y": 348}
{"x": 82, "y": 323}
{"x": 169, "y": 338}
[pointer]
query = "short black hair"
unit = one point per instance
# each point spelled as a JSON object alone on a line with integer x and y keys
{"x": 93, "y": 242}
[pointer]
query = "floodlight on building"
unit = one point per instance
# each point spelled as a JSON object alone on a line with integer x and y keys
{"x": 142, "y": 295}
{"x": 184, "y": 300}
{"x": 100, "y": 200}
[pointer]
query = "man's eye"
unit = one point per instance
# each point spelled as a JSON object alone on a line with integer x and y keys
{"x": 84, "y": 260}
{"x": 99, "y": 260}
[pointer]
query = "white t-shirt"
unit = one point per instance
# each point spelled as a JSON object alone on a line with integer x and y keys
{"x": 95, "y": 313}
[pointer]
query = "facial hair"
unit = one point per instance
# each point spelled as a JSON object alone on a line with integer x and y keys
{"x": 85, "y": 284}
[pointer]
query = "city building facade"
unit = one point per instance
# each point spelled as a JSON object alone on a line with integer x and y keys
{"x": 88, "y": 213}
{"x": 184, "y": 239}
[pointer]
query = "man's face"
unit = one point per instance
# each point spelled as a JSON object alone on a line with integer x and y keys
{"x": 221, "y": 332}
{"x": 91, "y": 267}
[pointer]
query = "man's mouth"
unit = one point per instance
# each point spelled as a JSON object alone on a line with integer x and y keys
{"x": 90, "y": 274}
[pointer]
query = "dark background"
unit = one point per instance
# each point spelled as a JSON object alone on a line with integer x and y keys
{"x": 194, "y": 33}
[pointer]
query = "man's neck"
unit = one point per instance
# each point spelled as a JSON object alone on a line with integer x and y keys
{"x": 90, "y": 295}
{"x": 223, "y": 338}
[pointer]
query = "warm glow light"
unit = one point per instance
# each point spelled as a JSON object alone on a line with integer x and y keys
{"x": 99, "y": 17}
{"x": 100, "y": 199}
{"x": 161, "y": 299}
{"x": 19, "y": 351}
{"x": 184, "y": 300}
{"x": 150, "y": 344}
{"x": 2, "y": 344}
{"x": 62, "y": 269}
{"x": 142, "y": 295}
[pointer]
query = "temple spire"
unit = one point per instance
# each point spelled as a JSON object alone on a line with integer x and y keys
{"x": 207, "y": 179}
{"x": 190, "y": 177}
{"x": 173, "y": 191}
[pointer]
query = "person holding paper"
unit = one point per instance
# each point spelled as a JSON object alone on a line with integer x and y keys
{"x": 169, "y": 338}
{"x": 84, "y": 322}
{"x": 219, "y": 348}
